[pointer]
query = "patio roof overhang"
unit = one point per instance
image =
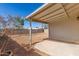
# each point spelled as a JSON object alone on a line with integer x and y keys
{"x": 54, "y": 12}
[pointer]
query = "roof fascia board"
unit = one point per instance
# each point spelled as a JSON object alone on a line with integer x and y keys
{"x": 27, "y": 17}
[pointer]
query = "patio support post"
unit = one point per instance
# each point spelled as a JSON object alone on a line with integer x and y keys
{"x": 30, "y": 38}
{"x": 42, "y": 26}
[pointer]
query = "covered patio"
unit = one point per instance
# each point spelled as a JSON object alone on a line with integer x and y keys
{"x": 63, "y": 21}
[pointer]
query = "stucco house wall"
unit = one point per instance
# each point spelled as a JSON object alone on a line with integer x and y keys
{"x": 65, "y": 30}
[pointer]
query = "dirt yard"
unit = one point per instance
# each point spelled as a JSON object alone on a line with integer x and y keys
{"x": 24, "y": 39}
{"x": 20, "y": 42}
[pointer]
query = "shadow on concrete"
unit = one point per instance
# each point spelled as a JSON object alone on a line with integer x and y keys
{"x": 75, "y": 43}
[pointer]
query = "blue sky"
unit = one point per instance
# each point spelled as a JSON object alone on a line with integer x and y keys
{"x": 20, "y": 9}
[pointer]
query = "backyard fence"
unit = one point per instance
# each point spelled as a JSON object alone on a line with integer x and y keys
{"x": 22, "y": 31}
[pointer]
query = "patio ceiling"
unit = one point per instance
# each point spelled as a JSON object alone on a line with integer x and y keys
{"x": 54, "y": 11}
